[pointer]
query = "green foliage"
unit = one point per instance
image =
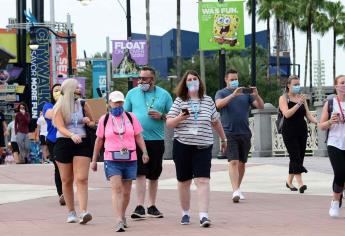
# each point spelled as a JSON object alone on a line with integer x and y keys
{"x": 269, "y": 89}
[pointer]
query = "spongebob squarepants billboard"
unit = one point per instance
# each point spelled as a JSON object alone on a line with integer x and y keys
{"x": 221, "y": 25}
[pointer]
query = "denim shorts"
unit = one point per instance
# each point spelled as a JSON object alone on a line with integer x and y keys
{"x": 126, "y": 169}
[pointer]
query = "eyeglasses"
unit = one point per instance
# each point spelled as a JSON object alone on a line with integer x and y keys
{"x": 145, "y": 78}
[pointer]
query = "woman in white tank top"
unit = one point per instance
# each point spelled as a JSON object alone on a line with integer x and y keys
{"x": 333, "y": 120}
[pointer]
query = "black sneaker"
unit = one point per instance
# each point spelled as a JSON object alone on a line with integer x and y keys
{"x": 139, "y": 213}
{"x": 204, "y": 222}
{"x": 185, "y": 220}
{"x": 152, "y": 211}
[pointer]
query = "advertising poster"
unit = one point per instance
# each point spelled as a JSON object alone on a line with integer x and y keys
{"x": 99, "y": 77}
{"x": 127, "y": 56}
{"x": 81, "y": 81}
{"x": 221, "y": 25}
{"x": 40, "y": 73}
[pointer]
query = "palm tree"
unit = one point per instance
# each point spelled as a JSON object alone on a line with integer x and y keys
{"x": 289, "y": 15}
{"x": 309, "y": 10}
{"x": 264, "y": 14}
{"x": 333, "y": 18}
{"x": 178, "y": 39}
{"x": 147, "y": 5}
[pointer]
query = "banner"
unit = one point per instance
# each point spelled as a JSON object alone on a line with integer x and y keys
{"x": 40, "y": 82}
{"x": 127, "y": 56}
{"x": 99, "y": 77}
{"x": 221, "y": 25}
{"x": 81, "y": 81}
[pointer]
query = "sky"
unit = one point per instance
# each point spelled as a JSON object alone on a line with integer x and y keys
{"x": 102, "y": 18}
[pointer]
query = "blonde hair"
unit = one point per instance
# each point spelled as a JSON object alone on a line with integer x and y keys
{"x": 66, "y": 104}
{"x": 337, "y": 78}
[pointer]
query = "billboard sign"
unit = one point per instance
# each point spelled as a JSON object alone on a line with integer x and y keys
{"x": 99, "y": 77}
{"x": 39, "y": 71}
{"x": 221, "y": 25}
{"x": 127, "y": 56}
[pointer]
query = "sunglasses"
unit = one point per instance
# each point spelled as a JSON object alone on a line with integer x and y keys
{"x": 144, "y": 78}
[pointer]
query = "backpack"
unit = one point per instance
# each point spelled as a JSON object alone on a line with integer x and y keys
{"x": 329, "y": 109}
{"x": 280, "y": 118}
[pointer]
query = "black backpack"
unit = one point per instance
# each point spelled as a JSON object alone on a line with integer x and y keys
{"x": 280, "y": 118}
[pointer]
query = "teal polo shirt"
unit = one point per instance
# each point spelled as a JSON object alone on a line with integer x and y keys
{"x": 140, "y": 102}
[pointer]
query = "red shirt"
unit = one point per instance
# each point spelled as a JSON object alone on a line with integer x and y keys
{"x": 22, "y": 123}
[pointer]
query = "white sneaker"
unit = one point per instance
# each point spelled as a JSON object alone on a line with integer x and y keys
{"x": 236, "y": 196}
{"x": 72, "y": 217}
{"x": 334, "y": 210}
{"x": 85, "y": 217}
{"x": 242, "y": 197}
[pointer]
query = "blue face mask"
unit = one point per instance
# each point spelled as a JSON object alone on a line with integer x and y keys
{"x": 193, "y": 86}
{"x": 117, "y": 111}
{"x": 234, "y": 84}
{"x": 296, "y": 89}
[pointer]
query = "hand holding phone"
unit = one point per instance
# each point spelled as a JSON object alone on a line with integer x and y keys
{"x": 185, "y": 111}
{"x": 247, "y": 90}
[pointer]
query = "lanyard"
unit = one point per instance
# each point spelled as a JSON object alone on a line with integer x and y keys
{"x": 195, "y": 108}
{"x": 121, "y": 129}
{"x": 341, "y": 109}
{"x": 150, "y": 105}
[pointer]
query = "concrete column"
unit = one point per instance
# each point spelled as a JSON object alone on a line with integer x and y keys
{"x": 168, "y": 142}
{"x": 321, "y": 135}
{"x": 262, "y": 131}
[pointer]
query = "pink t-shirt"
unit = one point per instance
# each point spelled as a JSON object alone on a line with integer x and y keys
{"x": 112, "y": 139}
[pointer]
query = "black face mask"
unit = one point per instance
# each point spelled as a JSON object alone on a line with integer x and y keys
{"x": 77, "y": 96}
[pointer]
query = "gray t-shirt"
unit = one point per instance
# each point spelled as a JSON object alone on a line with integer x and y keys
{"x": 234, "y": 115}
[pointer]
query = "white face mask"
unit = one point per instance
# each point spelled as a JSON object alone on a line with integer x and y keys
{"x": 144, "y": 87}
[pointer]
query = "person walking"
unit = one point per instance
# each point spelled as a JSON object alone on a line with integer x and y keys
{"x": 333, "y": 120}
{"x": 41, "y": 135}
{"x": 47, "y": 111}
{"x": 149, "y": 103}
{"x": 72, "y": 151}
{"x": 22, "y": 121}
{"x": 193, "y": 115}
{"x": 3, "y": 130}
{"x": 234, "y": 102}
{"x": 119, "y": 132}
{"x": 13, "y": 140}
{"x": 294, "y": 107}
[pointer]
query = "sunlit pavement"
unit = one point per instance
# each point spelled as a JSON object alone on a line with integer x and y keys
{"x": 29, "y": 204}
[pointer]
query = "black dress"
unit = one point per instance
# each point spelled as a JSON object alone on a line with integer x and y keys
{"x": 295, "y": 134}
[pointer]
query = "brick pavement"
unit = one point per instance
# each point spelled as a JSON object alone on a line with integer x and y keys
{"x": 268, "y": 210}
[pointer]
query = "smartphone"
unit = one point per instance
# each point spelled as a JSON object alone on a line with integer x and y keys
{"x": 185, "y": 111}
{"x": 247, "y": 90}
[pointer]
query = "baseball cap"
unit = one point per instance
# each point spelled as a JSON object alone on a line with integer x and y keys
{"x": 116, "y": 96}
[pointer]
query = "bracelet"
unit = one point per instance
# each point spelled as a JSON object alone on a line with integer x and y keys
{"x": 145, "y": 152}
{"x": 71, "y": 135}
{"x": 329, "y": 122}
{"x": 223, "y": 140}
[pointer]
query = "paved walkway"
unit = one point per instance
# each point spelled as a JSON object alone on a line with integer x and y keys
{"x": 29, "y": 205}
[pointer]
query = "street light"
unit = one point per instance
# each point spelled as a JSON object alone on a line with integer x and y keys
{"x": 34, "y": 45}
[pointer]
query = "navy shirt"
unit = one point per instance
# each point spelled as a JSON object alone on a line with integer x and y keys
{"x": 234, "y": 115}
{"x": 51, "y": 136}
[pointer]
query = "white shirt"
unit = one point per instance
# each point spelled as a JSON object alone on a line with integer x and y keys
{"x": 10, "y": 128}
{"x": 43, "y": 126}
{"x": 336, "y": 136}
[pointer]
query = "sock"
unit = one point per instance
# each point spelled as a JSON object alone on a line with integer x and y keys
{"x": 185, "y": 213}
{"x": 202, "y": 215}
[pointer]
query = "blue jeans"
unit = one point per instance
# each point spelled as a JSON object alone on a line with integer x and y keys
{"x": 126, "y": 169}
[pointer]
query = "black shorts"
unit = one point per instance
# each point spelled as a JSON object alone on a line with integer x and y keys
{"x": 153, "y": 169}
{"x": 50, "y": 149}
{"x": 43, "y": 140}
{"x": 191, "y": 161}
{"x": 15, "y": 147}
{"x": 65, "y": 149}
{"x": 238, "y": 147}
{"x": 2, "y": 141}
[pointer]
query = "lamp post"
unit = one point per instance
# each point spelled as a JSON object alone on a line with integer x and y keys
{"x": 253, "y": 52}
{"x": 34, "y": 45}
